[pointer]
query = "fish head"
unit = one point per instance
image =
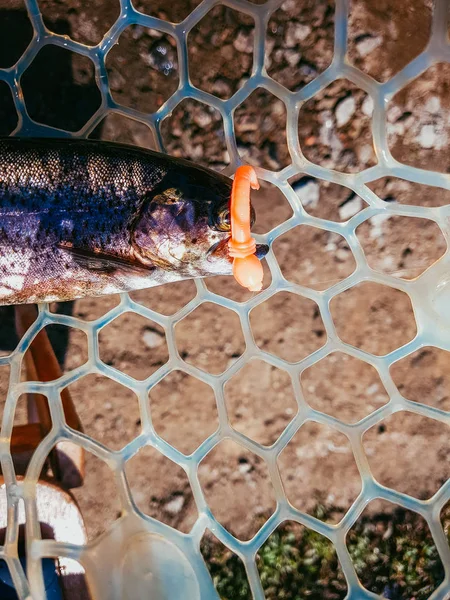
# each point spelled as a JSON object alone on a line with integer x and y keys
{"x": 184, "y": 226}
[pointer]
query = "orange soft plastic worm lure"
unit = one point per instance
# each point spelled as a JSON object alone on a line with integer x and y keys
{"x": 247, "y": 269}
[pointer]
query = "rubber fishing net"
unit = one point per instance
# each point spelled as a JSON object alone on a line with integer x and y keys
{"x": 143, "y": 554}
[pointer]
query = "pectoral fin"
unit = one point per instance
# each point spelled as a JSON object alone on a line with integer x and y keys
{"x": 105, "y": 263}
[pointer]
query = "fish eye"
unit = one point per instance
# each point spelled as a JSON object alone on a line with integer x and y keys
{"x": 223, "y": 220}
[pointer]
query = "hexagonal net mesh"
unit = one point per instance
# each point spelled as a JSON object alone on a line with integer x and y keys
{"x": 429, "y": 295}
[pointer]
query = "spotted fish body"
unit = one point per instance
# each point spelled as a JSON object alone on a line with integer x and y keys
{"x": 80, "y": 217}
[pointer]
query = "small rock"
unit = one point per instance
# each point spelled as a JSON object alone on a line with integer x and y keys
{"x": 177, "y": 131}
{"x": 372, "y": 389}
{"x": 377, "y": 222}
{"x": 221, "y": 88}
{"x": 308, "y": 72}
{"x": 350, "y": 208}
{"x": 367, "y": 106}
{"x": 394, "y": 113}
{"x": 427, "y": 137}
{"x": 292, "y": 57}
{"x": 202, "y": 119}
{"x": 138, "y": 31}
{"x": 341, "y": 255}
{"x": 395, "y": 129}
{"x": 295, "y": 33}
{"x": 302, "y": 32}
{"x": 152, "y": 339}
{"x": 154, "y": 33}
{"x": 289, "y": 36}
{"x": 288, "y": 5}
{"x": 246, "y": 123}
{"x": 278, "y": 55}
{"x": 368, "y": 45}
{"x": 244, "y": 42}
{"x": 308, "y": 193}
{"x": 345, "y": 111}
{"x": 197, "y": 151}
{"x": 393, "y": 30}
{"x": 175, "y": 505}
{"x": 279, "y": 108}
{"x": 365, "y": 154}
{"x": 433, "y": 105}
{"x": 245, "y": 467}
{"x": 327, "y": 135}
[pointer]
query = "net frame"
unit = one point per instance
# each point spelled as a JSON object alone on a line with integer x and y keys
{"x": 432, "y": 329}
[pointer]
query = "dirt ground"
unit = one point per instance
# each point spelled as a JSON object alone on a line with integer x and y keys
{"x": 406, "y": 452}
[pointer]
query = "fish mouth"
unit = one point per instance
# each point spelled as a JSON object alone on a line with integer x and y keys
{"x": 220, "y": 250}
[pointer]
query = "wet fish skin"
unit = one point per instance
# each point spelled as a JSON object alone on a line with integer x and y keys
{"x": 81, "y": 217}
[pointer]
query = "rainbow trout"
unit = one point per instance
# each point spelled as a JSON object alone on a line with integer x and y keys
{"x": 85, "y": 218}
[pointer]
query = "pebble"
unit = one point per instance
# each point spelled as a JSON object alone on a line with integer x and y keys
{"x": 221, "y": 88}
{"x": 295, "y": 33}
{"x": 377, "y": 222}
{"x": 243, "y": 42}
{"x": 279, "y": 108}
{"x": 245, "y": 467}
{"x": 288, "y": 5}
{"x": 308, "y": 193}
{"x": 202, "y": 119}
{"x": 245, "y": 124}
{"x": 198, "y": 151}
{"x": 278, "y": 55}
{"x": 292, "y": 57}
{"x": 427, "y": 137}
{"x": 341, "y": 255}
{"x": 302, "y": 32}
{"x": 368, "y": 45}
{"x": 365, "y": 153}
{"x": 345, "y": 111}
{"x": 155, "y": 33}
{"x": 138, "y": 31}
{"x": 152, "y": 339}
{"x": 350, "y": 208}
{"x": 433, "y": 105}
{"x": 372, "y": 389}
{"x": 395, "y": 129}
{"x": 175, "y": 505}
{"x": 367, "y": 106}
{"x": 394, "y": 113}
